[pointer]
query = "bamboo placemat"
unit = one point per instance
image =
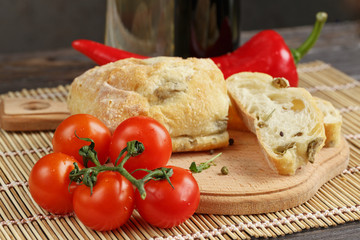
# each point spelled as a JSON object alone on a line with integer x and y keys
{"x": 337, "y": 202}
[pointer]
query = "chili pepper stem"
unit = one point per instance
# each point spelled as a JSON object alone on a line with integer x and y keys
{"x": 300, "y": 52}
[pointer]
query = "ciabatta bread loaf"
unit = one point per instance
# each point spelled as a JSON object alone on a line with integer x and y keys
{"x": 287, "y": 122}
{"x": 187, "y": 96}
{"x": 332, "y": 122}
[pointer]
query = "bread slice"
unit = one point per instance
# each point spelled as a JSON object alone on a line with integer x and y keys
{"x": 287, "y": 122}
{"x": 332, "y": 122}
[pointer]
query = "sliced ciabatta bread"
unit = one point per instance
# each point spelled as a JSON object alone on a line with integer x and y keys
{"x": 287, "y": 122}
{"x": 234, "y": 119}
{"x": 332, "y": 122}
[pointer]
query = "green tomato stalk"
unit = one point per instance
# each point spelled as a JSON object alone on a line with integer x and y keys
{"x": 88, "y": 175}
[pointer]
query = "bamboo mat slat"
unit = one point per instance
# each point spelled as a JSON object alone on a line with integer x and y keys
{"x": 336, "y": 202}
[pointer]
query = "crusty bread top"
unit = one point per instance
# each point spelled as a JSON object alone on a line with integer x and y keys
{"x": 187, "y": 96}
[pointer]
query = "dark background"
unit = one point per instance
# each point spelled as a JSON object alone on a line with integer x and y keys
{"x": 38, "y": 25}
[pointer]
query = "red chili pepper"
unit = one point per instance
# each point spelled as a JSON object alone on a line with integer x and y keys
{"x": 100, "y": 53}
{"x": 265, "y": 52}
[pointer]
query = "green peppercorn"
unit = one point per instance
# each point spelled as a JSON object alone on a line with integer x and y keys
{"x": 224, "y": 170}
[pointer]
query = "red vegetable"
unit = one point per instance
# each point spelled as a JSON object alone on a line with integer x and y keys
{"x": 265, "y": 52}
{"x": 166, "y": 206}
{"x": 109, "y": 206}
{"x": 152, "y": 134}
{"x": 100, "y": 53}
{"x": 84, "y": 125}
{"x": 105, "y": 200}
{"x": 49, "y": 182}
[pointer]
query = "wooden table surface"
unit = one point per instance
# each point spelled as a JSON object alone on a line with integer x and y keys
{"x": 339, "y": 46}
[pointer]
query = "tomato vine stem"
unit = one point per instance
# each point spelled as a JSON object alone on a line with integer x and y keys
{"x": 88, "y": 175}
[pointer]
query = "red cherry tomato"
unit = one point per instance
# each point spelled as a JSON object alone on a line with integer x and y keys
{"x": 110, "y": 205}
{"x": 86, "y": 126}
{"x": 166, "y": 207}
{"x": 49, "y": 182}
{"x": 155, "y": 138}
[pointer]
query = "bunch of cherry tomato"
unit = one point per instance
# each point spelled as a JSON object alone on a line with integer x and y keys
{"x": 112, "y": 197}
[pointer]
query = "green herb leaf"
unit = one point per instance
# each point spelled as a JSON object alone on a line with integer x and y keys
{"x": 202, "y": 166}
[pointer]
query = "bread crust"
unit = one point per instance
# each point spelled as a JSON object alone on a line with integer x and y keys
{"x": 332, "y": 122}
{"x": 187, "y": 96}
{"x": 287, "y": 122}
{"x": 235, "y": 121}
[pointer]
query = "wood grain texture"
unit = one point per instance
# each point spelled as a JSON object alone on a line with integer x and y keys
{"x": 252, "y": 186}
{"x": 21, "y": 114}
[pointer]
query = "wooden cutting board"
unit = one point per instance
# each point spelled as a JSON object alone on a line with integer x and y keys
{"x": 252, "y": 186}
{"x": 25, "y": 114}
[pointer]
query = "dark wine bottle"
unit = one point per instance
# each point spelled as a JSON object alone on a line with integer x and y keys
{"x": 185, "y": 28}
{"x": 206, "y": 28}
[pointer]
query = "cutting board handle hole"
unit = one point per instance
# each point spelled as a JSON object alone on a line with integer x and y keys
{"x": 35, "y": 105}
